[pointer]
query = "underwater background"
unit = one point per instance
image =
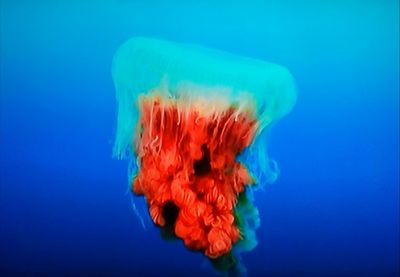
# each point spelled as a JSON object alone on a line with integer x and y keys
{"x": 65, "y": 204}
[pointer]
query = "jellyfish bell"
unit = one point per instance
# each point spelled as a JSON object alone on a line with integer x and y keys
{"x": 194, "y": 120}
{"x": 142, "y": 64}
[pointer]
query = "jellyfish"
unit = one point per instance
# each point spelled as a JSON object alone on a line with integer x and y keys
{"x": 193, "y": 122}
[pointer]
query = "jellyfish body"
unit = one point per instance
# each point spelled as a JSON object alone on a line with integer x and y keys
{"x": 195, "y": 122}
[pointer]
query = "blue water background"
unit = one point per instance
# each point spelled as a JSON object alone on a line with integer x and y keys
{"x": 64, "y": 202}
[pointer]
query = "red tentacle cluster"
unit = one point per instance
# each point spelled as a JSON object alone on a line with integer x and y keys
{"x": 187, "y": 159}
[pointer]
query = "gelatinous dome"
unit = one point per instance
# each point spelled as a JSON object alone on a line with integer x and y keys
{"x": 142, "y": 64}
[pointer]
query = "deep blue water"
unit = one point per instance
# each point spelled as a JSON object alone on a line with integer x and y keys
{"x": 64, "y": 202}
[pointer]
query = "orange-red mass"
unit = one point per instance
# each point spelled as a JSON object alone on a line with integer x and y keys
{"x": 188, "y": 170}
